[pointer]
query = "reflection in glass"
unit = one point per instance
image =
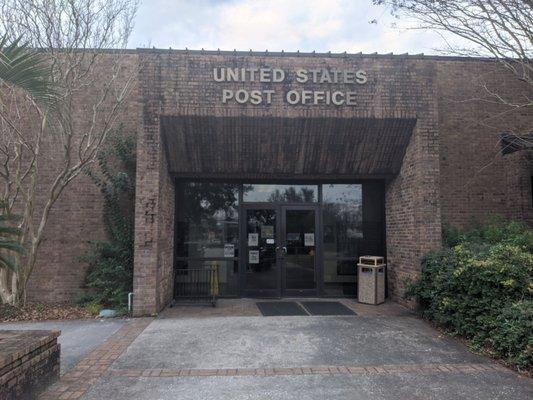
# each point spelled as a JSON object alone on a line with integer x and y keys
{"x": 281, "y": 193}
{"x": 340, "y": 277}
{"x": 261, "y": 267}
{"x": 299, "y": 261}
{"x": 207, "y": 231}
{"x": 343, "y": 219}
{"x": 207, "y": 219}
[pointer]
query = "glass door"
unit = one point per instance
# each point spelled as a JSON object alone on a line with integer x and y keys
{"x": 298, "y": 248}
{"x": 280, "y": 245}
{"x": 261, "y": 249}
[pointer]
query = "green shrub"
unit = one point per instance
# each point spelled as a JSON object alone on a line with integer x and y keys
{"x": 93, "y": 308}
{"x": 482, "y": 289}
{"x": 109, "y": 276}
{"x": 512, "y": 336}
{"x": 494, "y": 230}
{"x": 451, "y": 236}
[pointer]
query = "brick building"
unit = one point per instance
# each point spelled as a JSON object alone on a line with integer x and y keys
{"x": 283, "y": 168}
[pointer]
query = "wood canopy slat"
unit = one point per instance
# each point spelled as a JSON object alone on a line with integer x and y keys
{"x": 285, "y": 148}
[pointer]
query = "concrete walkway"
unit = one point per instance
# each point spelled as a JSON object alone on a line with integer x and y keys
{"x": 394, "y": 356}
{"x": 286, "y": 342}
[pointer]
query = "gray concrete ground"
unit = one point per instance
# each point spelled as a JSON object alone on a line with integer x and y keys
{"x": 482, "y": 386}
{"x": 77, "y": 338}
{"x": 260, "y": 342}
{"x": 267, "y": 342}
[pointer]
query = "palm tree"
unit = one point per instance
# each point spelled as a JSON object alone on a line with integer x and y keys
{"x": 9, "y": 240}
{"x": 27, "y": 69}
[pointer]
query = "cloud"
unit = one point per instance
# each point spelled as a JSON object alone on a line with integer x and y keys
{"x": 305, "y": 25}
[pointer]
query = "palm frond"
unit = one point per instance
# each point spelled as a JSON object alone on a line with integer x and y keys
{"x": 9, "y": 231}
{"x": 27, "y": 69}
{"x": 9, "y": 217}
{"x": 8, "y": 262}
{"x": 11, "y": 245}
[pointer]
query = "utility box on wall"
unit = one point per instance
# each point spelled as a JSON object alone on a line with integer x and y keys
{"x": 371, "y": 280}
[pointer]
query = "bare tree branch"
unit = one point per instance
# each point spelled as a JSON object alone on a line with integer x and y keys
{"x": 83, "y": 42}
{"x": 502, "y": 29}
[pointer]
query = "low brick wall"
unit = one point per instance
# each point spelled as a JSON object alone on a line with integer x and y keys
{"x": 29, "y": 362}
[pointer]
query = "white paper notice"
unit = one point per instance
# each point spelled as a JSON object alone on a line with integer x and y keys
{"x": 229, "y": 250}
{"x": 253, "y": 239}
{"x": 309, "y": 239}
{"x": 253, "y": 257}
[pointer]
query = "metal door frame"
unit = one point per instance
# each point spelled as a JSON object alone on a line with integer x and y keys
{"x": 283, "y": 233}
{"x": 280, "y": 238}
{"x": 244, "y": 291}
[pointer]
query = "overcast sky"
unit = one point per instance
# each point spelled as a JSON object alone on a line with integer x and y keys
{"x": 290, "y": 25}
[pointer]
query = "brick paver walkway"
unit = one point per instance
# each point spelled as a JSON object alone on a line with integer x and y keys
{"x": 74, "y": 383}
{"x": 345, "y": 370}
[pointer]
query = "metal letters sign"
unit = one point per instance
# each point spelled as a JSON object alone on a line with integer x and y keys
{"x": 347, "y": 77}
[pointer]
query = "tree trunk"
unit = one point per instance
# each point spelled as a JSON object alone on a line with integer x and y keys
{"x": 8, "y": 287}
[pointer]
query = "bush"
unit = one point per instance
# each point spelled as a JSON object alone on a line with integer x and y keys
{"x": 110, "y": 273}
{"x": 93, "y": 308}
{"x": 451, "y": 236}
{"x": 512, "y": 336}
{"x": 495, "y": 230}
{"x": 481, "y": 289}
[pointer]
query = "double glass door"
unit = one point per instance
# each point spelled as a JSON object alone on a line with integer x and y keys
{"x": 279, "y": 244}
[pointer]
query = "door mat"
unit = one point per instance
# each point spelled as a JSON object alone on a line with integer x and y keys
{"x": 280, "y": 308}
{"x": 326, "y": 308}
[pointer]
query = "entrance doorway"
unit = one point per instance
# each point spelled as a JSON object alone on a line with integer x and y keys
{"x": 277, "y": 239}
{"x": 280, "y": 250}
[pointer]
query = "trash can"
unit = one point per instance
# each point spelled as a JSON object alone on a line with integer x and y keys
{"x": 371, "y": 280}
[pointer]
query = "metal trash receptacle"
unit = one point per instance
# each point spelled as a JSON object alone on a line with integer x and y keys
{"x": 371, "y": 280}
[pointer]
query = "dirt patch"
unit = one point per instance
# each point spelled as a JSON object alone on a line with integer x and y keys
{"x": 42, "y": 312}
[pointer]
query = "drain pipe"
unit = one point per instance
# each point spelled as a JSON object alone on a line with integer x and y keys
{"x": 130, "y": 301}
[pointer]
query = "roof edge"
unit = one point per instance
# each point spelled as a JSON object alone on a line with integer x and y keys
{"x": 328, "y": 54}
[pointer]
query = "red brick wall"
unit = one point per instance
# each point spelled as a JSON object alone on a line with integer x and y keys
{"x": 165, "y": 264}
{"x": 29, "y": 362}
{"x": 76, "y": 218}
{"x": 413, "y": 219}
{"x": 476, "y": 180}
{"x": 152, "y": 202}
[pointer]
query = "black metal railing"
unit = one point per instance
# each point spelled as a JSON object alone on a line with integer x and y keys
{"x": 196, "y": 285}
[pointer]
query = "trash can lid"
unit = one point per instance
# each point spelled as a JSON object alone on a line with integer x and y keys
{"x": 371, "y": 260}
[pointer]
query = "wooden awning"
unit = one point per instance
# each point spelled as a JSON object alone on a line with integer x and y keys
{"x": 285, "y": 148}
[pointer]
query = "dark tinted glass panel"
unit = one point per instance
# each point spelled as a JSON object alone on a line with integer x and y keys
{"x": 343, "y": 219}
{"x": 340, "y": 277}
{"x": 281, "y": 193}
{"x": 353, "y": 227}
{"x": 228, "y": 276}
{"x": 299, "y": 260}
{"x": 373, "y": 220}
{"x": 261, "y": 266}
{"x": 207, "y": 222}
